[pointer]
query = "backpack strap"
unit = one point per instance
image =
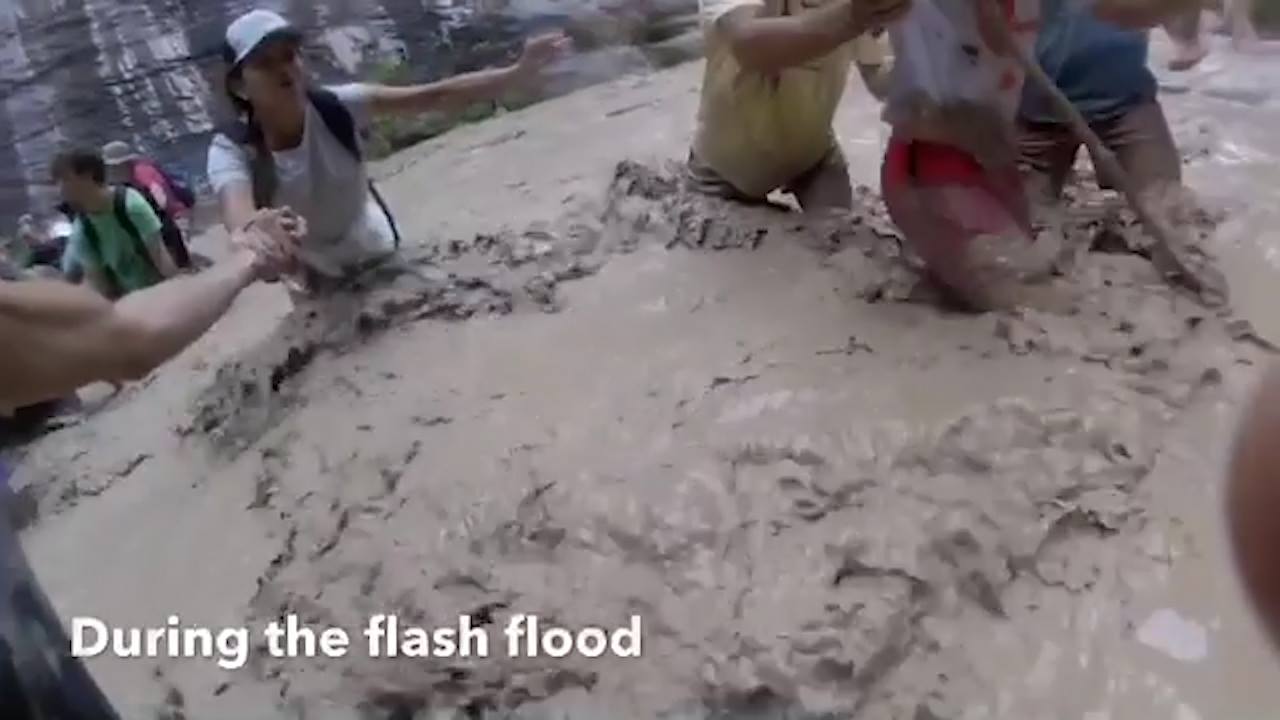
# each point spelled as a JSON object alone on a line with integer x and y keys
{"x": 170, "y": 234}
{"x": 91, "y": 239}
{"x": 178, "y": 185}
{"x": 163, "y": 215}
{"x": 342, "y": 125}
{"x": 337, "y": 118}
{"x": 386, "y": 211}
{"x": 121, "y": 205}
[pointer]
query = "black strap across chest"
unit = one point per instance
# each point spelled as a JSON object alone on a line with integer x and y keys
{"x": 337, "y": 120}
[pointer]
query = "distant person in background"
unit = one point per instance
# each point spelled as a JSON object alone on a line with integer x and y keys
{"x": 775, "y": 73}
{"x": 62, "y": 228}
{"x": 43, "y": 249}
{"x": 117, "y": 237}
{"x": 28, "y": 236}
{"x": 11, "y": 267}
{"x": 21, "y": 424}
{"x": 299, "y": 144}
{"x": 1184, "y": 30}
{"x": 170, "y": 198}
{"x": 1188, "y": 46}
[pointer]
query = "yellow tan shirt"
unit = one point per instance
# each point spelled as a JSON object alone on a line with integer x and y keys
{"x": 759, "y": 131}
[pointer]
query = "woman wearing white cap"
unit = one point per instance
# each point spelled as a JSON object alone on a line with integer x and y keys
{"x": 297, "y": 146}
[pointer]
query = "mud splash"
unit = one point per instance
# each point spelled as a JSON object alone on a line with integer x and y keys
{"x": 486, "y": 275}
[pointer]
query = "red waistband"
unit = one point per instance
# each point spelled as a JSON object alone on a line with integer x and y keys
{"x": 930, "y": 163}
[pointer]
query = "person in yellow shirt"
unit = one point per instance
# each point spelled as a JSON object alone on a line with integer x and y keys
{"x": 775, "y": 73}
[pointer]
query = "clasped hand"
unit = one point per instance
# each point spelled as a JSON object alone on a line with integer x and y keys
{"x": 273, "y": 237}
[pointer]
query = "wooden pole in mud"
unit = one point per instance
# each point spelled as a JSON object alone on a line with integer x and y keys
{"x": 1171, "y": 248}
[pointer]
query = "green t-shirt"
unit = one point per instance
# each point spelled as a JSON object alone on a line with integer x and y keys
{"x": 118, "y": 255}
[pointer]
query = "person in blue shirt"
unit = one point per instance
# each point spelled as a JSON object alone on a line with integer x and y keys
{"x": 1102, "y": 69}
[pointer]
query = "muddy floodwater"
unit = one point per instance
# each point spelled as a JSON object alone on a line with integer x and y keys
{"x": 589, "y": 398}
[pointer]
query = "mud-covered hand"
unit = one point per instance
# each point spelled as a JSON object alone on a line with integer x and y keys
{"x": 273, "y": 236}
{"x": 875, "y": 15}
{"x": 539, "y": 52}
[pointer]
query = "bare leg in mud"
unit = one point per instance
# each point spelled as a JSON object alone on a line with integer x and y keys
{"x": 1143, "y": 146}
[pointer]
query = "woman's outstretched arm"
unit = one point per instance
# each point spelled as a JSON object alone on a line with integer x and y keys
{"x": 462, "y": 90}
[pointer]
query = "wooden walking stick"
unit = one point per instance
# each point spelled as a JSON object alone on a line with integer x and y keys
{"x": 1171, "y": 250}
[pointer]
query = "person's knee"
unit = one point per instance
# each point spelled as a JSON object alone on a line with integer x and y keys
{"x": 1168, "y": 199}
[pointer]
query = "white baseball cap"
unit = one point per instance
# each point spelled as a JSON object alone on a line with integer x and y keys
{"x": 118, "y": 152}
{"x": 251, "y": 30}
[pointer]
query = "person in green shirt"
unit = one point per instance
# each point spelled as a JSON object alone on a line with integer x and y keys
{"x": 116, "y": 240}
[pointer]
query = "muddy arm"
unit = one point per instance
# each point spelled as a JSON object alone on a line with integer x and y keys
{"x": 235, "y": 203}
{"x": 452, "y": 93}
